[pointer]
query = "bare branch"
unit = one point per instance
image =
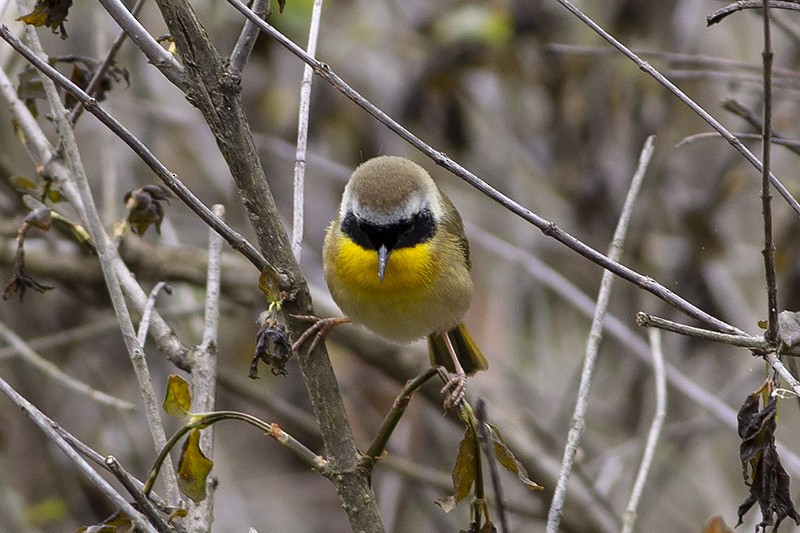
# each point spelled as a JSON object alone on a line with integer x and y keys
{"x": 97, "y": 480}
{"x": 106, "y": 254}
{"x": 691, "y": 104}
{"x": 235, "y": 239}
{"x": 723, "y": 12}
{"x": 247, "y": 39}
{"x": 629, "y": 516}
{"x": 30, "y": 356}
{"x": 302, "y": 134}
{"x": 593, "y": 343}
{"x": 144, "y": 323}
{"x": 102, "y": 68}
{"x": 156, "y": 53}
{"x": 771, "y": 334}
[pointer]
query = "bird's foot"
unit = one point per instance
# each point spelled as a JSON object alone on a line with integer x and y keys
{"x": 454, "y": 389}
{"x": 320, "y": 328}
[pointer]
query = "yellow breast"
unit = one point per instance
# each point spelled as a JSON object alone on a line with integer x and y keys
{"x": 409, "y": 272}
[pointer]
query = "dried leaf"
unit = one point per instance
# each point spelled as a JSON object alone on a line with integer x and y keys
{"x": 20, "y": 282}
{"x": 464, "y": 472}
{"x": 508, "y": 460}
{"x": 145, "y": 207}
{"x": 83, "y": 70}
{"x": 273, "y": 345}
{"x": 193, "y": 468}
{"x": 178, "y": 400}
{"x": 50, "y": 13}
{"x": 761, "y": 465}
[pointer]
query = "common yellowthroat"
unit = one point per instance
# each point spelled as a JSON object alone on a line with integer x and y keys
{"x": 396, "y": 261}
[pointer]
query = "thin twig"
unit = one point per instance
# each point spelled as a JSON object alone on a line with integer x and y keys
{"x": 42, "y": 422}
{"x": 130, "y": 485}
{"x": 742, "y": 341}
{"x": 659, "y": 374}
{"x": 30, "y": 356}
{"x": 723, "y": 12}
{"x": 102, "y": 68}
{"x": 491, "y": 459}
{"x": 247, "y": 39}
{"x": 548, "y": 228}
{"x": 593, "y": 343}
{"x": 158, "y": 56}
{"x": 378, "y": 445}
{"x": 302, "y": 134}
{"x": 105, "y": 253}
{"x": 771, "y": 334}
{"x": 144, "y": 323}
{"x": 757, "y": 123}
{"x": 187, "y": 196}
{"x": 783, "y": 372}
{"x": 790, "y": 144}
{"x": 691, "y": 104}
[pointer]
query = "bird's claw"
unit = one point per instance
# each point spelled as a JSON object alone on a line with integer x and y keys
{"x": 455, "y": 389}
{"x": 319, "y": 328}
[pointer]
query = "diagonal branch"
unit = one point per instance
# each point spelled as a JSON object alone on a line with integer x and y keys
{"x": 548, "y": 228}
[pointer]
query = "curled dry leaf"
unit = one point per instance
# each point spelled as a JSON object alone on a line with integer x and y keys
{"x": 761, "y": 465}
{"x": 273, "y": 345}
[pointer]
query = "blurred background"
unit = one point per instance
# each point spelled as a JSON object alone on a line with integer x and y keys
{"x": 533, "y": 102}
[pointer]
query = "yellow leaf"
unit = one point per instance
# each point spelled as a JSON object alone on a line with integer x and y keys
{"x": 193, "y": 468}
{"x": 178, "y": 400}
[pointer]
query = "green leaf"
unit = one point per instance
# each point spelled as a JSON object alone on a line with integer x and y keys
{"x": 507, "y": 459}
{"x": 193, "y": 468}
{"x": 178, "y": 400}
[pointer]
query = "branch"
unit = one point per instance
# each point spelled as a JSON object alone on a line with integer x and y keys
{"x": 106, "y": 253}
{"x": 547, "y": 227}
{"x": 593, "y": 343}
{"x": 691, "y": 104}
{"x": 247, "y": 39}
{"x": 158, "y": 56}
{"x": 204, "y": 373}
{"x": 102, "y": 67}
{"x": 213, "y": 89}
{"x": 42, "y": 422}
{"x": 723, "y": 12}
{"x": 302, "y": 134}
{"x": 187, "y": 196}
{"x": 52, "y": 371}
{"x": 629, "y": 516}
{"x": 766, "y": 198}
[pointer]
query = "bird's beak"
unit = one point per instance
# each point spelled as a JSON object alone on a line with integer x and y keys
{"x": 383, "y": 260}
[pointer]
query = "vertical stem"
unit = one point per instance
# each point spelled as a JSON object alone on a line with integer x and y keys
{"x": 592, "y": 346}
{"x": 204, "y": 372}
{"x": 302, "y": 134}
{"x": 659, "y": 372}
{"x": 766, "y": 197}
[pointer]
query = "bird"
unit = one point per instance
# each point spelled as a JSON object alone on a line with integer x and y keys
{"x": 396, "y": 260}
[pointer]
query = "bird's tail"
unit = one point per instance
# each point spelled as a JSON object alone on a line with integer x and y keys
{"x": 468, "y": 353}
